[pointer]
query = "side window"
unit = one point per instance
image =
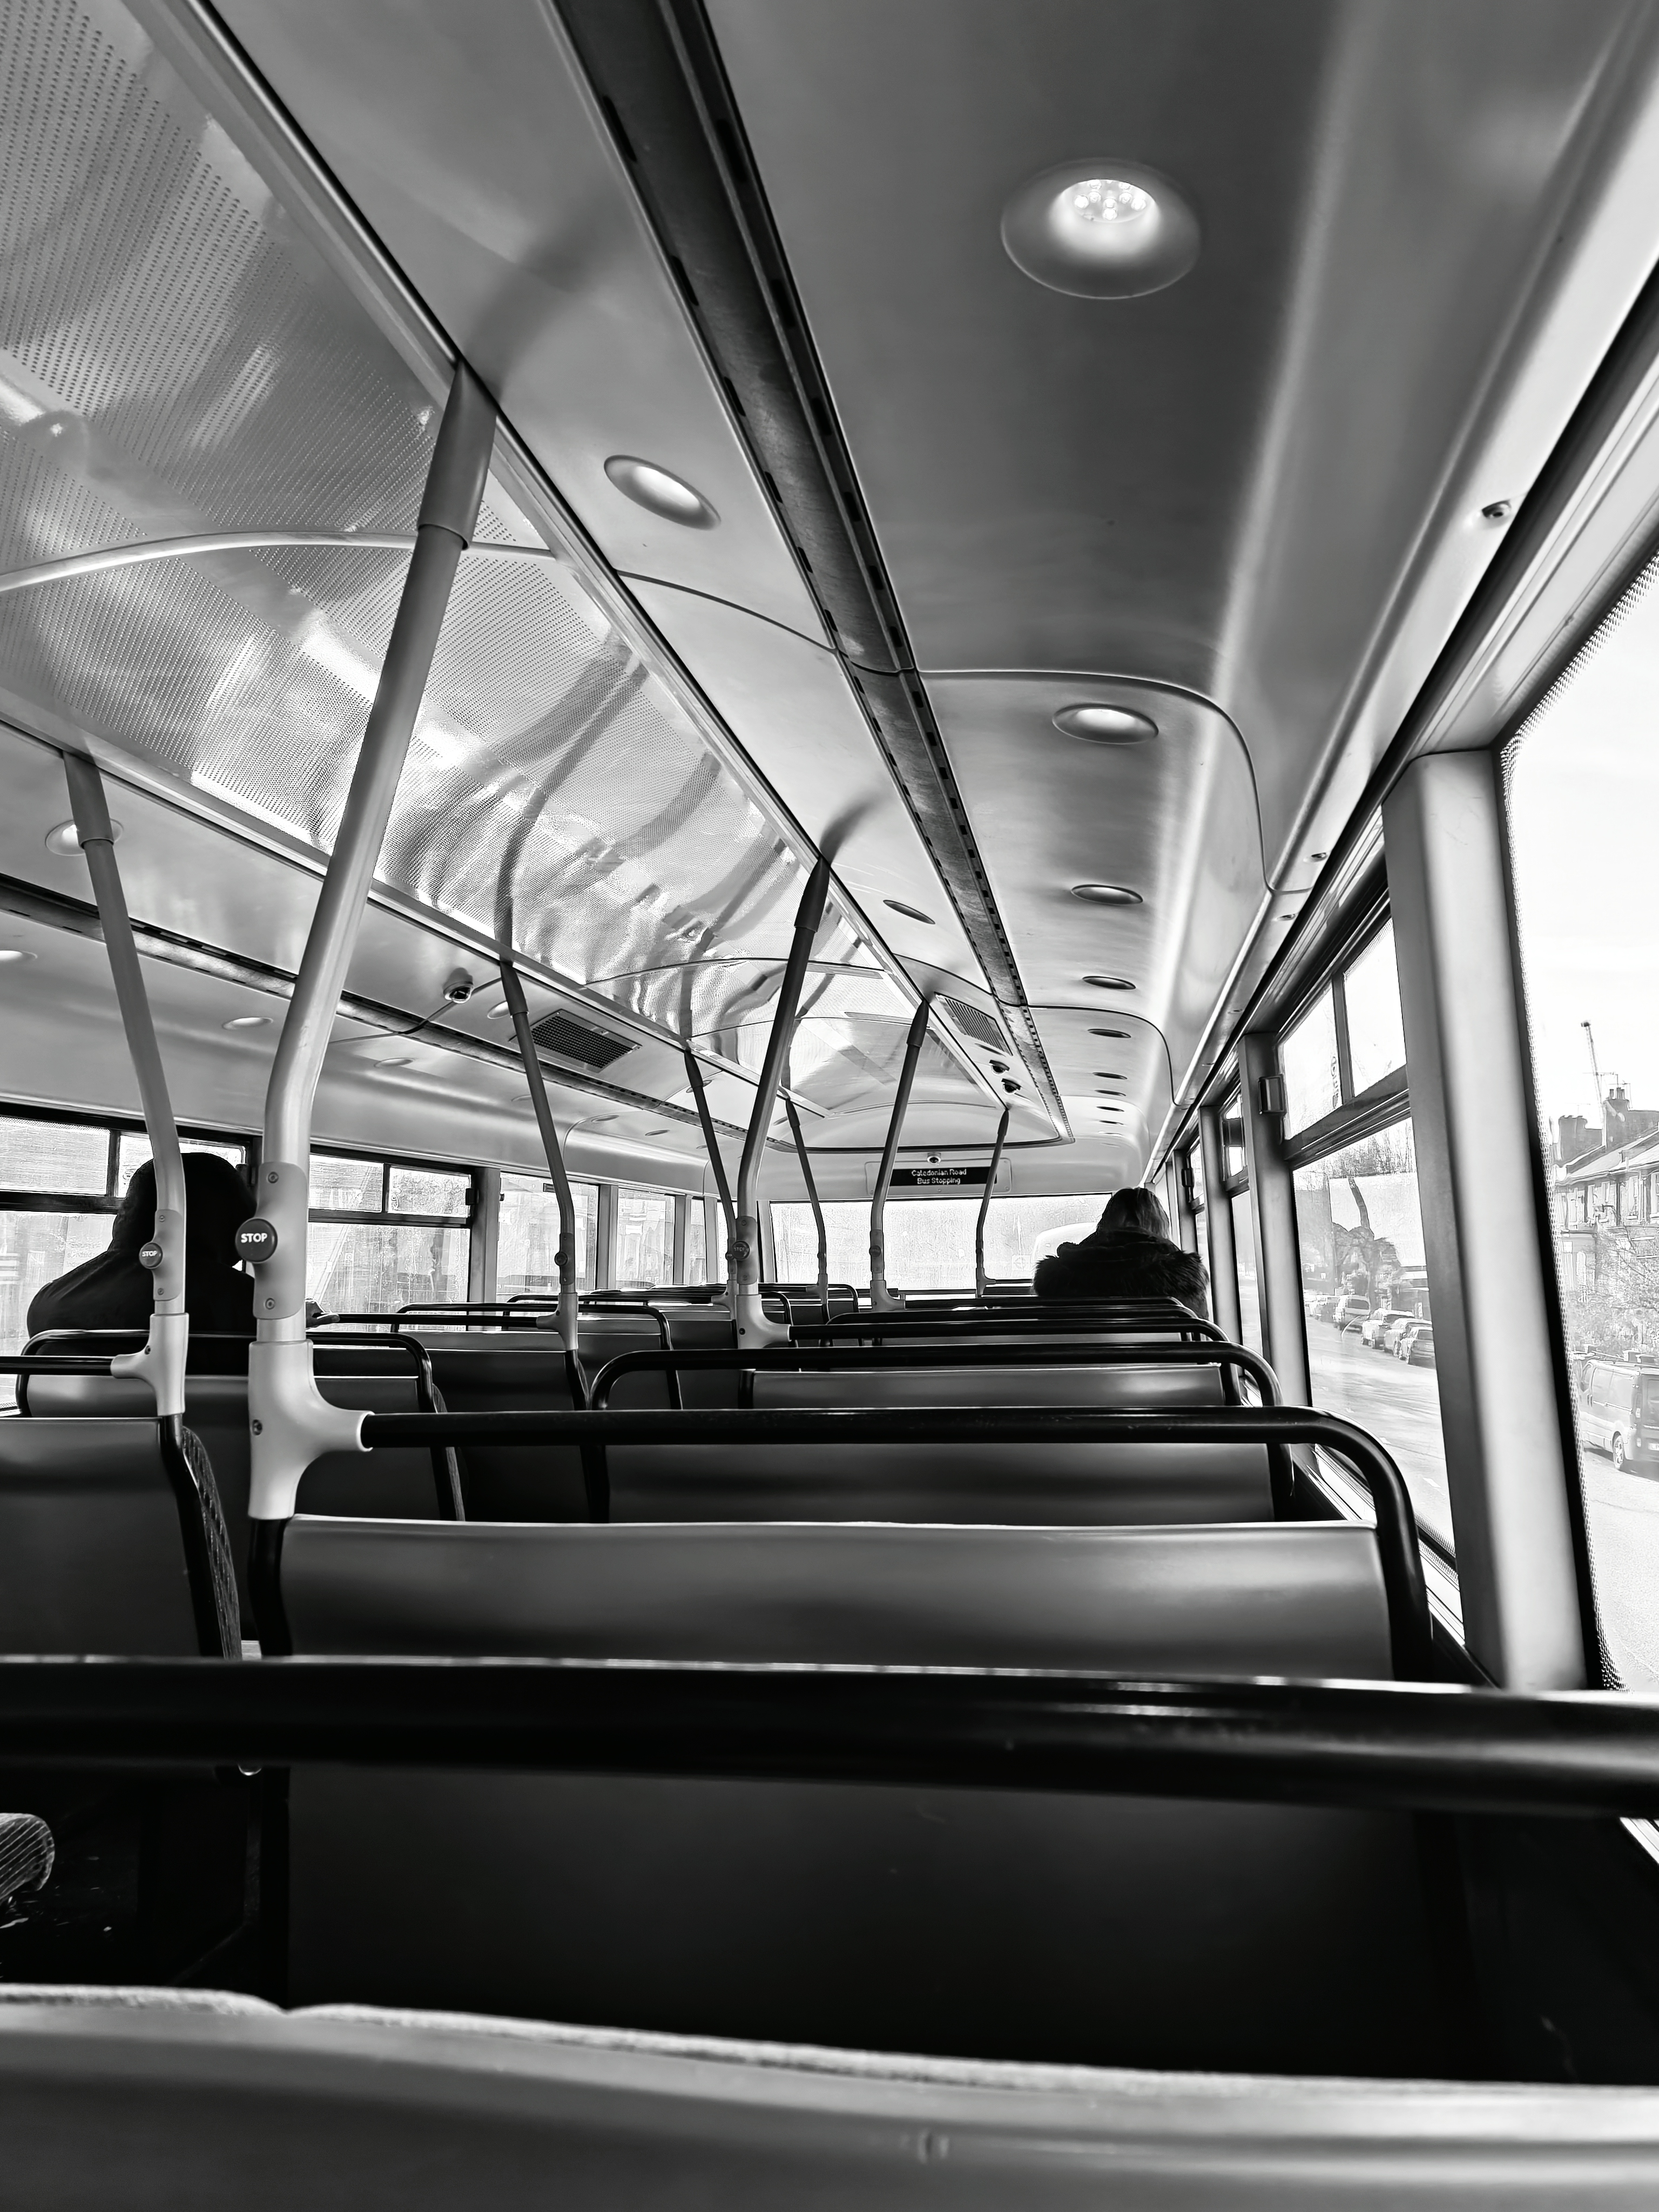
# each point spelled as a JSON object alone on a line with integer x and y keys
{"x": 645, "y": 1239}
{"x": 527, "y": 1246}
{"x": 60, "y": 1182}
{"x": 1582, "y": 777}
{"x": 385, "y": 1236}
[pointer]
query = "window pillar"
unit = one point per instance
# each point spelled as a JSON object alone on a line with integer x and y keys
{"x": 682, "y": 1215}
{"x": 1272, "y": 1210}
{"x": 604, "y": 1238}
{"x": 1219, "y": 1215}
{"x": 1504, "y": 1386}
{"x": 481, "y": 1263}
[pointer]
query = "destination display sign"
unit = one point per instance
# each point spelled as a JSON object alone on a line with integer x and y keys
{"x": 939, "y": 1176}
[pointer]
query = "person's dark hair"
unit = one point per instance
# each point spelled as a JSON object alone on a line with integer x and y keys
{"x": 218, "y": 1201}
{"x": 1136, "y": 1211}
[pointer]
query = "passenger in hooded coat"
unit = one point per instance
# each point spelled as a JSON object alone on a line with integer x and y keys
{"x": 117, "y": 1290}
{"x": 1128, "y": 1256}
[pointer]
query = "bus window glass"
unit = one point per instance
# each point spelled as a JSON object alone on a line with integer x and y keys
{"x": 1365, "y": 1287}
{"x": 696, "y": 1241}
{"x": 35, "y": 1248}
{"x": 52, "y": 1156}
{"x": 645, "y": 1239}
{"x": 342, "y": 1185}
{"x": 375, "y": 1266}
{"x": 528, "y": 1248}
{"x": 135, "y": 1150}
{"x": 1376, "y": 1034}
{"x": 1307, "y": 1056}
{"x": 1582, "y": 775}
{"x": 1249, "y": 1302}
{"x": 428, "y": 1190}
{"x": 930, "y": 1242}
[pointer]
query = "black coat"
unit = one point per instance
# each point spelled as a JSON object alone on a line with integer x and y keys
{"x": 1122, "y": 1263}
{"x": 116, "y": 1291}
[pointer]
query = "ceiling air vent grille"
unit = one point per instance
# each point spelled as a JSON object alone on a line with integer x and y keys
{"x": 974, "y": 1023}
{"x": 573, "y": 1040}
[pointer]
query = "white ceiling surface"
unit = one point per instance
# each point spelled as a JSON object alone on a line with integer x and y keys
{"x": 1422, "y": 227}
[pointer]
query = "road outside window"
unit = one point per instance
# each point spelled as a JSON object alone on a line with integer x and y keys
{"x": 1584, "y": 780}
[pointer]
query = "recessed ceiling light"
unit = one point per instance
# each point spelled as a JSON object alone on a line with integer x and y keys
{"x": 11, "y": 954}
{"x": 659, "y": 493}
{"x": 1110, "y": 983}
{"x": 1100, "y": 725}
{"x": 247, "y": 1021}
{"x": 64, "y": 839}
{"x": 1123, "y": 1036}
{"x": 1100, "y": 230}
{"x": 1106, "y": 894}
{"x": 402, "y": 1061}
{"x": 495, "y": 1012}
{"x": 915, "y": 913}
{"x": 1110, "y": 1075}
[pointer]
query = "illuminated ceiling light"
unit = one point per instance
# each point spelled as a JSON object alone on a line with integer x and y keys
{"x": 1100, "y": 230}
{"x": 1110, "y": 983}
{"x": 914, "y": 913}
{"x": 10, "y": 954}
{"x": 659, "y": 493}
{"x": 1106, "y": 894}
{"x": 1100, "y": 725}
{"x": 495, "y": 1012}
{"x": 247, "y": 1021}
{"x": 64, "y": 839}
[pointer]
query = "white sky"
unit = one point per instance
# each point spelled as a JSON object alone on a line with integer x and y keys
{"x": 1584, "y": 809}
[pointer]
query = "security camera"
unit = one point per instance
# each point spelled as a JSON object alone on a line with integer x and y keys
{"x": 458, "y": 989}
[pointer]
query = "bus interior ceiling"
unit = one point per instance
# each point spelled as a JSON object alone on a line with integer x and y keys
{"x": 988, "y": 557}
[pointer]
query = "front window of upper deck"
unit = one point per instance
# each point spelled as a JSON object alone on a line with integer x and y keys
{"x": 930, "y": 1242}
{"x": 1583, "y": 781}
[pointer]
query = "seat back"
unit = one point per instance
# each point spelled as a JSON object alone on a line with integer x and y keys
{"x": 994, "y": 1923}
{"x": 112, "y": 1541}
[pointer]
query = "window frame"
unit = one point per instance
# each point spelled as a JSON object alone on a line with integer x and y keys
{"x": 385, "y": 1218}
{"x": 114, "y": 1128}
{"x": 1361, "y": 1114}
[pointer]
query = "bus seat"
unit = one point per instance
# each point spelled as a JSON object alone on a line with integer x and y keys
{"x": 1301, "y": 1598}
{"x": 132, "y": 2097}
{"x": 1007, "y": 1924}
{"x": 216, "y": 1410}
{"x": 106, "y": 1546}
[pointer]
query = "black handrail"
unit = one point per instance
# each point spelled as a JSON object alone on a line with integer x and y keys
{"x": 1431, "y": 1747}
{"x": 1396, "y": 1525}
{"x": 446, "y": 1467}
{"x": 843, "y": 1358}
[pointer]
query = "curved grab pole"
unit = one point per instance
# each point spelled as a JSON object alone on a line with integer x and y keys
{"x": 806, "y": 1158}
{"x": 161, "y": 1362}
{"x": 743, "y": 1256}
{"x": 569, "y": 1277}
{"x": 979, "y": 1279}
{"x": 291, "y": 1422}
{"x": 881, "y": 1300}
{"x": 694, "y": 1076}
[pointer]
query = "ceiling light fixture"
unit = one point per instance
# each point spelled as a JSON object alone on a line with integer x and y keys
{"x": 915, "y": 913}
{"x": 1097, "y": 724}
{"x": 670, "y": 497}
{"x": 1110, "y": 983}
{"x": 1110, "y": 1075}
{"x": 11, "y": 954}
{"x": 1123, "y": 1036}
{"x": 1106, "y": 894}
{"x": 64, "y": 839}
{"x": 1100, "y": 230}
{"x": 247, "y": 1021}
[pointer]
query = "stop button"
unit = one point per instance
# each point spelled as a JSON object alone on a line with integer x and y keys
{"x": 256, "y": 1240}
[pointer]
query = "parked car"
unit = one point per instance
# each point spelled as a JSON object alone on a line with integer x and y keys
{"x": 1396, "y": 1329}
{"x": 1351, "y": 1312}
{"x": 1373, "y": 1327}
{"x": 1618, "y": 1412}
{"x": 1323, "y": 1308}
{"x": 1420, "y": 1346}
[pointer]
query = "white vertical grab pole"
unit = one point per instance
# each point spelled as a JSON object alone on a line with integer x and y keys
{"x": 161, "y": 1362}
{"x": 881, "y": 1300}
{"x": 570, "y": 1276}
{"x": 292, "y": 1423}
{"x": 743, "y": 1255}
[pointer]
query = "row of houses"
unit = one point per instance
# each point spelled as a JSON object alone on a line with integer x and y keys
{"x": 1606, "y": 1203}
